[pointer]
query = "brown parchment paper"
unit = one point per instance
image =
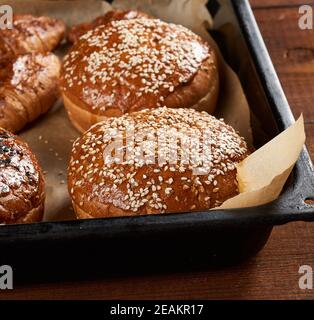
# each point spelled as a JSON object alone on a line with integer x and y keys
{"x": 261, "y": 176}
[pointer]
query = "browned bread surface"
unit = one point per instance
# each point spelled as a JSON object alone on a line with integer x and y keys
{"x": 77, "y": 31}
{"x": 28, "y": 88}
{"x": 137, "y": 64}
{"x": 21, "y": 182}
{"x": 31, "y": 34}
{"x": 156, "y": 182}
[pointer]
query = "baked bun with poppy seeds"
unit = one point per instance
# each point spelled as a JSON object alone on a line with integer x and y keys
{"x": 131, "y": 65}
{"x": 200, "y": 177}
{"x": 22, "y": 192}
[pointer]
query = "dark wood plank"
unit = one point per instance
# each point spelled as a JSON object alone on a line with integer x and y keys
{"x": 292, "y": 51}
{"x": 276, "y": 3}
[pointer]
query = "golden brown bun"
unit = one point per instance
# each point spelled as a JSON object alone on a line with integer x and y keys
{"x": 31, "y": 34}
{"x": 28, "y": 88}
{"x": 22, "y": 187}
{"x": 131, "y": 65}
{"x": 156, "y": 183}
{"x": 77, "y": 31}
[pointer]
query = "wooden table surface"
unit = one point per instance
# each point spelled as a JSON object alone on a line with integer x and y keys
{"x": 273, "y": 273}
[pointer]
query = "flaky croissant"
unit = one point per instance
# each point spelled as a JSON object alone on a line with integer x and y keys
{"x": 30, "y": 34}
{"x": 28, "y": 88}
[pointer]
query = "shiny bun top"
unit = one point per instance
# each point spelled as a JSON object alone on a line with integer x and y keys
{"x": 133, "y": 64}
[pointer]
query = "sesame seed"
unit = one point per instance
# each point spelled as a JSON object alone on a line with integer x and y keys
{"x": 168, "y": 190}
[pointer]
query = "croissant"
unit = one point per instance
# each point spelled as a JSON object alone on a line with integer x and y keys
{"x": 77, "y": 31}
{"x": 29, "y": 34}
{"x": 28, "y": 88}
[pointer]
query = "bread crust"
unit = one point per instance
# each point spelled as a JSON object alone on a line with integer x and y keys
{"x": 108, "y": 73}
{"x": 138, "y": 186}
{"x": 82, "y": 119}
{"x": 31, "y": 34}
{"x": 22, "y": 190}
{"x": 77, "y": 31}
{"x": 28, "y": 88}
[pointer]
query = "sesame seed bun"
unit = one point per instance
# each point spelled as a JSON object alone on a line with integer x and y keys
{"x": 130, "y": 65}
{"x": 22, "y": 193}
{"x": 156, "y": 182}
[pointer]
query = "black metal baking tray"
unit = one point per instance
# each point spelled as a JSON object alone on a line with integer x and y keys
{"x": 185, "y": 240}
